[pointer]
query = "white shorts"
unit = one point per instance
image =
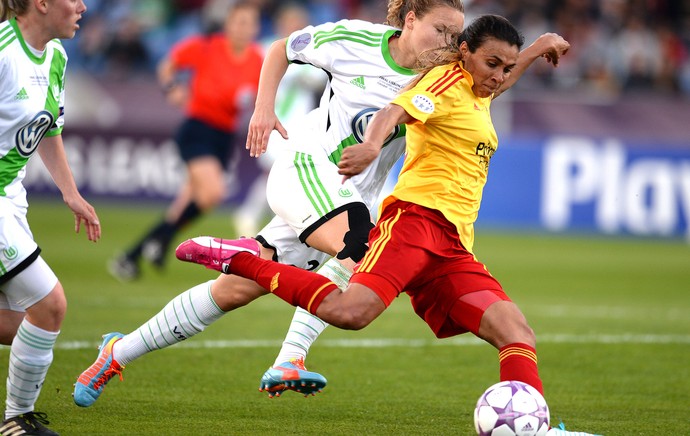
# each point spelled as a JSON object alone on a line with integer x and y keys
{"x": 289, "y": 249}
{"x": 25, "y": 278}
{"x": 304, "y": 191}
{"x": 28, "y": 287}
{"x": 16, "y": 241}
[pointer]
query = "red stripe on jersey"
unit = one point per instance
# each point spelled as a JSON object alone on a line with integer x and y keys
{"x": 445, "y": 75}
{"x": 451, "y": 75}
{"x": 449, "y": 84}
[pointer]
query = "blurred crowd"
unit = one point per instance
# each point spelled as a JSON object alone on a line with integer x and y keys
{"x": 618, "y": 46}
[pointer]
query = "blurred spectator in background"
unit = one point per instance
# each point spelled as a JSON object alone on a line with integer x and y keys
{"x": 224, "y": 70}
{"x": 617, "y": 45}
{"x": 298, "y": 93}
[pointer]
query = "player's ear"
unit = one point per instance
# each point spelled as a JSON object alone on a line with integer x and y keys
{"x": 41, "y": 5}
{"x": 464, "y": 50}
{"x": 410, "y": 19}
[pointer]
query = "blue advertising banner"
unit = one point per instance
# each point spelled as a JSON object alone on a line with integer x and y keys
{"x": 563, "y": 183}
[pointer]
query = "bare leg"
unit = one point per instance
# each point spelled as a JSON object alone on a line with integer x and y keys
{"x": 9, "y": 323}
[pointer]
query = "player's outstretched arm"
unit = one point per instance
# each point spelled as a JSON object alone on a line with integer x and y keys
{"x": 550, "y": 46}
{"x": 357, "y": 157}
{"x": 52, "y": 152}
{"x": 264, "y": 119}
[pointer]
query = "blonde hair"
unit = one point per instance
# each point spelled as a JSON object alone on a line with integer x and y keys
{"x": 398, "y": 9}
{"x": 12, "y": 8}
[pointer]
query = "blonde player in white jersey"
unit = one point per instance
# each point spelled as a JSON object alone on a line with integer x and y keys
{"x": 367, "y": 65}
{"x": 32, "y": 300}
{"x": 317, "y": 217}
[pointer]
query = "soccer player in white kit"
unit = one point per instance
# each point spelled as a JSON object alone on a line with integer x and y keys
{"x": 32, "y": 300}
{"x": 317, "y": 216}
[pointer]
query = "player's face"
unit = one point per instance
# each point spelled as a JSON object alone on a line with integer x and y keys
{"x": 490, "y": 65}
{"x": 242, "y": 26}
{"x": 433, "y": 30}
{"x": 63, "y": 16}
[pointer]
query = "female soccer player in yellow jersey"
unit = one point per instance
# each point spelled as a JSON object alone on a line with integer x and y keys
{"x": 422, "y": 243}
{"x": 387, "y": 49}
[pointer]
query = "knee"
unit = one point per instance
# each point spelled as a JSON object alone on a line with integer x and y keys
{"x": 49, "y": 313}
{"x": 356, "y": 239}
{"x": 503, "y": 323}
{"x": 348, "y": 318}
{"x": 232, "y": 292}
{"x": 9, "y": 323}
{"x": 57, "y": 308}
{"x": 210, "y": 198}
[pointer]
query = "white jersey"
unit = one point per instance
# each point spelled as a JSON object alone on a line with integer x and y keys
{"x": 362, "y": 78}
{"x": 31, "y": 105}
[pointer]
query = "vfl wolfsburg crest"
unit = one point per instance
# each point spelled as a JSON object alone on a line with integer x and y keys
{"x": 361, "y": 121}
{"x": 345, "y": 193}
{"x": 10, "y": 253}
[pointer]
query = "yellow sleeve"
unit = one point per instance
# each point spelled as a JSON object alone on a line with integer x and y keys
{"x": 423, "y": 101}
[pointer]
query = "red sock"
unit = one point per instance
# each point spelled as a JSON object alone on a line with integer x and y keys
{"x": 294, "y": 285}
{"x": 519, "y": 362}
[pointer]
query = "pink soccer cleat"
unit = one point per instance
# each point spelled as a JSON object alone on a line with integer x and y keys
{"x": 215, "y": 253}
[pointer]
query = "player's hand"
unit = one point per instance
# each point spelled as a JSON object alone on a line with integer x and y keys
{"x": 177, "y": 95}
{"x": 356, "y": 158}
{"x": 553, "y": 47}
{"x": 262, "y": 123}
{"x": 86, "y": 214}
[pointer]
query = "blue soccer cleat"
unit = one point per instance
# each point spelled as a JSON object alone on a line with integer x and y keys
{"x": 291, "y": 375}
{"x": 91, "y": 382}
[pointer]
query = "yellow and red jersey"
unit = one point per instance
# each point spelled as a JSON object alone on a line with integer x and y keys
{"x": 448, "y": 147}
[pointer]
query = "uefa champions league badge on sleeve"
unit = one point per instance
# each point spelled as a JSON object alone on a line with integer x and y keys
{"x": 423, "y": 103}
{"x": 300, "y": 42}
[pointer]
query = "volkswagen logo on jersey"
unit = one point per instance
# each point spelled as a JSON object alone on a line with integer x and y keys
{"x": 361, "y": 121}
{"x": 31, "y": 134}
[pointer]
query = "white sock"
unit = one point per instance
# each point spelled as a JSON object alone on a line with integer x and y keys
{"x": 183, "y": 317}
{"x": 31, "y": 354}
{"x": 305, "y": 327}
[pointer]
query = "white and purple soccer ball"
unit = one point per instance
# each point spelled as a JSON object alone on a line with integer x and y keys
{"x": 511, "y": 408}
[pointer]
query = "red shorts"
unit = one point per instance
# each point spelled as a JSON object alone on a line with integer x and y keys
{"x": 415, "y": 250}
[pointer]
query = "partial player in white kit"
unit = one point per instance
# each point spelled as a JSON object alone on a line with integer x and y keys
{"x": 317, "y": 216}
{"x": 316, "y": 213}
{"x": 32, "y": 300}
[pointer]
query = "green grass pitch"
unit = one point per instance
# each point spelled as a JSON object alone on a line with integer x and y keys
{"x": 611, "y": 317}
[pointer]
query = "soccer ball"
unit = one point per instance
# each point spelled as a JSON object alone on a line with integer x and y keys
{"x": 511, "y": 408}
